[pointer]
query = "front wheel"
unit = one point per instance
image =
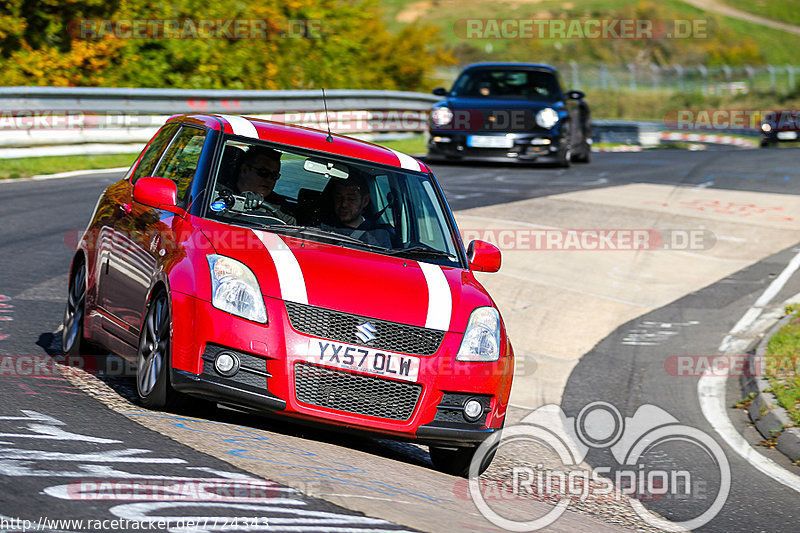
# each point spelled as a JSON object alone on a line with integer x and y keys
{"x": 456, "y": 461}
{"x": 152, "y": 370}
{"x": 72, "y": 340}
{"x": 564, "y": 154}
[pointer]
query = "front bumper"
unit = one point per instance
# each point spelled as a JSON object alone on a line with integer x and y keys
{"x": 522, "y": 147}
{"x": 274, "y": 358}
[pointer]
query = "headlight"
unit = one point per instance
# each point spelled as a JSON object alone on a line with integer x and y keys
{"x": 441, "y": 116}
{"x": 481, "y": 340}
{"x": 766, "y": 127}
{"x": 234, "y": 289}
{"x": 547, "y": 117}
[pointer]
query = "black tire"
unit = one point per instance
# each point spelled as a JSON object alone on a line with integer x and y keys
{"x": 585, "y": 156}
{"x": 766, "y": 144}
{"x": 456, "y": 461}
{"x": 153, "y": 359}
{"x": 564, "y": 154}
{"x": 72, "y": 339}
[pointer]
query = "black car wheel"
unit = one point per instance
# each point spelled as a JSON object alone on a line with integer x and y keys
{"x": 456, "y": 461}
{"x": 152, "y": 370}
{"x": 564, "y": 154}
{"x": 586, "y": 154}
{"x": 72, "y": 341}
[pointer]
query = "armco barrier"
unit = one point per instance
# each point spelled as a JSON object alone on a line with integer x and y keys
{"x": 81, "y": 115}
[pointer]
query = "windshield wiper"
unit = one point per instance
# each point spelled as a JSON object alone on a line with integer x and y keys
{"x": 318, "y": 232}
{"x": 421, "y": 251}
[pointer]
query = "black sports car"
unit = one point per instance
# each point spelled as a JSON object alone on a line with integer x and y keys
{"x": 780, "y": 126}
{"x": 510, "y": 112}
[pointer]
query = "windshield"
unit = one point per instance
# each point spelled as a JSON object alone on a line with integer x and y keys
{"x": 324, "y": 198}
{"x": 508, "y": 83}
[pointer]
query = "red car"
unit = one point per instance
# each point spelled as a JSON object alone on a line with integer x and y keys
{"x": 283, "y": 269}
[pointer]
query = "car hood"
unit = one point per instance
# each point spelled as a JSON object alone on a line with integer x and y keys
{"x": 353, "y": 281}
{"x": 481, "y": 114}
{"x": 485, "y": 104}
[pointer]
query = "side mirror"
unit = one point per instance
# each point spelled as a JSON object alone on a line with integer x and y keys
{"x": 160, "y": 193}
{"x": 575, "y": 94}
{"x": 483, "y": 256}
{"x": 440, "y": 91}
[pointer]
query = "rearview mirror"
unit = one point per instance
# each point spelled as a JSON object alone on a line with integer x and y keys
{"x": 440, "y": 91}
{"x": 160, "y": 193}
{"x": 328, "y": 168}
{"x": 575, "y": 94}
{"x": 483, "y": 256}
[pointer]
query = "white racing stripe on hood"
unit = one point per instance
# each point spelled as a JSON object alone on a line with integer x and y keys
{"x": 241, "y": 126}
{"x": 406, "y": 161}
{"x": 440, "y": 300}
{"x": 290, "y": 276}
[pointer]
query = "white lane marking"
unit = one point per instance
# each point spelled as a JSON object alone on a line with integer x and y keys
{"x": 440, "y": 300}
{"x": 241, "y": 126}
{"x": 754, "y": 312}
{"x": 290, "y": 275}
{"x": 406, "y": 161}
{"x": 711, "y": 390}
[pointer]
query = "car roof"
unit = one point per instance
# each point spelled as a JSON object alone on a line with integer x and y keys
{"x": 521, "y": 66}
{"x": 302, "y": 137}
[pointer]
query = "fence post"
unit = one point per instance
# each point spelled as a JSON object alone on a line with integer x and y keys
{"x": 632, "y": 70}
{"x": 679, "y": 71}
{"x": 575, "y": 79}
{"x": 603, "y": 76}
{"x": 771, "y": 71}
{"x": 790, "y": 71}
{"x": 704, "y": 72}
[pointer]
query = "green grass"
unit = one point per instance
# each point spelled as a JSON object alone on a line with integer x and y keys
{"x": 413, "y": 145}
{"x": 775, "y": 46}
{"x": 31, "y": 166}
{"x": 787, "y": 11}
{"x": 783, "y": 367}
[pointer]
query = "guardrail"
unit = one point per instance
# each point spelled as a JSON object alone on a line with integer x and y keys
{"x": 175, "y": 101}
{"x": 42, "y": 117}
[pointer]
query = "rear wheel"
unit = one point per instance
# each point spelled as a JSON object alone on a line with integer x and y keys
{"x": 72, "y": 340}
{"x": 456, "y": 461}
{"x": 152, "y": 370}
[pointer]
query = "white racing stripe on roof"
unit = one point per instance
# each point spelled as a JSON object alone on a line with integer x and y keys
{"x": 406, "y": 161}
{"x": 290, "y": 276}
{"x": 440, "y": 300}
{"x": 241, "y": 126}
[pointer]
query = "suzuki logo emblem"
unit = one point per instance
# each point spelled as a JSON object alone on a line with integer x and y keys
{"x": 366, "y": 332}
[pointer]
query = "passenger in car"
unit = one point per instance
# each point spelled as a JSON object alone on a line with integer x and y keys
{"x": 350, "y": 198}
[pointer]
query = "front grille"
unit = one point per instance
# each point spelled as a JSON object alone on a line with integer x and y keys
{"x": 354, "y": 393}
{"x": 339, "y": 326}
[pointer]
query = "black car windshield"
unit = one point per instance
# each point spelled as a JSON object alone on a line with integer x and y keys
{"x": 507, "y": 84}
{"x": 340, "y": 201}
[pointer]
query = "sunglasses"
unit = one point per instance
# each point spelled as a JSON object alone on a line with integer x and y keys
{"x": 265, "y": 172}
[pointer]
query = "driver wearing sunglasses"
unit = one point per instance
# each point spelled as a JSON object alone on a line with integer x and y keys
{"x": 259, "y": 170}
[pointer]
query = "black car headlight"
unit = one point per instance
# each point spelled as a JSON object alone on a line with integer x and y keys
{"x": 441, "y": 116}
{"x": 547, "y": 117}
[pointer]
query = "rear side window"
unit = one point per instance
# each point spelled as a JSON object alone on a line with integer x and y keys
{"x": 153, "y": 152}
{"x": 180, "y": 160}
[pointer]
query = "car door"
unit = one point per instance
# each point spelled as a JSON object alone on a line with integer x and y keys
{"x": 116, "y": 237}
{"x": 149, "y": 230}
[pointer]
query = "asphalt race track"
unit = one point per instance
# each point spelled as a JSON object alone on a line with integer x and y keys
{"x": 63, "y": 434}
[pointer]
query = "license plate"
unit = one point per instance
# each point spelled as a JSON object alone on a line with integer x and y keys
{"x": 489, "y": 141}
{"x": 787, "y": 135}
{"x": 363, "y": 359}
